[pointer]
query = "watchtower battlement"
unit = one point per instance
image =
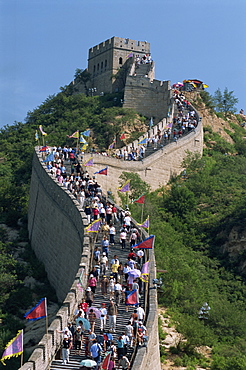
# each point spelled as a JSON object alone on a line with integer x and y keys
{"x": 140, "y": 47}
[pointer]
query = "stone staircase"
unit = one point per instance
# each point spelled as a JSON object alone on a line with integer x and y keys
{"x": 142, "y": 69}
{"x": 122, "y": 318}
{"x": 150, "y": 149}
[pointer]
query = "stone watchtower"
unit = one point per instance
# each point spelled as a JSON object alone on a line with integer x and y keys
{"x": 120, "y": 64}
{"x": 110, "y": 58}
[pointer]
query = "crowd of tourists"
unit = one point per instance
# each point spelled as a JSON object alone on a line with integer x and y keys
{"x": 186, "y": 120}
{"x": 145, "y": 59}
{"x": 93, "y": 327}
{"x": 110, "y": 278}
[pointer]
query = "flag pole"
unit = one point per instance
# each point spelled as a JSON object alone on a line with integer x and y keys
{"x": 142, "y": 219}
{"x": 22, "y": 350}
{"x": 142, "y": 213}
{"x": 147, "y": 249}
{"x": 46, "y": 316}
{"x": 106, "y": 188}
{"x": 46, "y": 325}
{"x": 77, "y": 146}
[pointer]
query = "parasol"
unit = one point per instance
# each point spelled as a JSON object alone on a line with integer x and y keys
{"x": 85, "y": 322}
{"x": 134, "y": 273}
{"x": 88, "y": 363}
{"x": 96, "y": 311}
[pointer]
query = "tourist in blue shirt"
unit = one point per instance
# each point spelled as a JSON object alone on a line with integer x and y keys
{"x": 96, "y": 350}
{"x": 120, "y": 347}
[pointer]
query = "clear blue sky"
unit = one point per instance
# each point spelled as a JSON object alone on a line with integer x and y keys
{"x": 42, "y": 42}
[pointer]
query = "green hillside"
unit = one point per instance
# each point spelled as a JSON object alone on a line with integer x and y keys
{"x": 191, "y": 218}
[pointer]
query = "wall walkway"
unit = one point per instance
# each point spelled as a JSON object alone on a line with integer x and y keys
{"x": 56, "y": 229}
{"x": 156, "y": 170}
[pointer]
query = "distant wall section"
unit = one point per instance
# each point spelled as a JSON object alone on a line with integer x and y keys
{"x": 156, "y": 169}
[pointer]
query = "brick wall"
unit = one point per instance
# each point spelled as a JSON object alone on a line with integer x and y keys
{"x": 56, "y": 228}
{"x": 156, "y": 170}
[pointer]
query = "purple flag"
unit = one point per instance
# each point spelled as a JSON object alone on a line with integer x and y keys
{"x": 14, "y": 347}
{"x": 125, "y": 187}
{"x": 89, "y": 162}
{"x": 145, "y": 223}
{"x": 145, "y": 272}
{"x": 94, "y": 226}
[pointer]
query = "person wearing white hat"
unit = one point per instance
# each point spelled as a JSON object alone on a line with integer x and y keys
{"x": 89, "y": 297}
{"x": 103, "y": 263}
{"x": 65, "y": 349}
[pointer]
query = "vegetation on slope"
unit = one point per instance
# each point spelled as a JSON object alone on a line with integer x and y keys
{"x": 191, "y": 220}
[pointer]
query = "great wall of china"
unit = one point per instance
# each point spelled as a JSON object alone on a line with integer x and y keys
{"x": 56, "y": 225}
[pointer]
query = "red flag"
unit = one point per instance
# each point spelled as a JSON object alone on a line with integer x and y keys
{"x": 140, "y": 199}
{"x": 122, "y": 137}
{"x": 37, "y": 312}
{"x": 132, "y": 298}
{"x": 104, "y": 171}
{"x": 44, "y": 148}
{"x": 106, "y": 361}
{"x": 147, "y": 243}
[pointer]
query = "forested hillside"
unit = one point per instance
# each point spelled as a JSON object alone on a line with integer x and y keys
{"x": 192, "y": 218}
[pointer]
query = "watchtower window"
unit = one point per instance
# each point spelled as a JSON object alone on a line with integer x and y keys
{"x": 98, "y": 66}
{"x": 101, "y": 65}
{"x": 105, "y": 63}
{"x": 94, "y": 69}
{"x": 120, "y": 61}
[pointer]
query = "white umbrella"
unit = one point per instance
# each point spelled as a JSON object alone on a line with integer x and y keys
{"x": 88, "y": 363}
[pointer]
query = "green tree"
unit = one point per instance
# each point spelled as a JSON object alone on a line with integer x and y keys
{"x": 207, "y": 100}
{"x": 137, "y": 186}
{"x": 181, "y": 201}
{"x": 225, "y": 102}
{"x": 84, "y": 77}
